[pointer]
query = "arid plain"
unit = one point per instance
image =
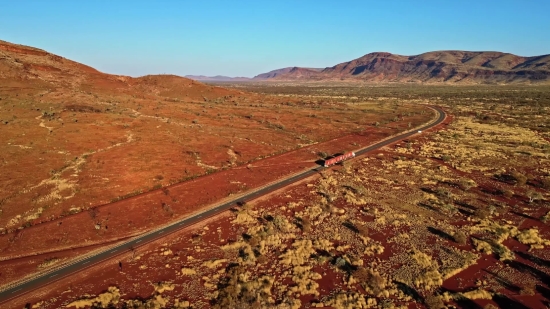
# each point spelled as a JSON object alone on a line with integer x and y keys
{"x": 455, "y": 216}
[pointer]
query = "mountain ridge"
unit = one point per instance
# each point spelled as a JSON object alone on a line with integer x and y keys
{"x": 434, "y": 67}
{"x": 449, "y": 66}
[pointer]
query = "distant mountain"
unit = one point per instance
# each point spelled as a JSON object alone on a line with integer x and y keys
{"x": 294, "y": 71}
{"x": 217, "y": 78}
{"x": 431, "y": 67}
{"x": 302, "y": 72}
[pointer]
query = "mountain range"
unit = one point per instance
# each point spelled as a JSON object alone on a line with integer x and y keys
{"x": 462, "y": 67}
{"x": 453, "y": 66}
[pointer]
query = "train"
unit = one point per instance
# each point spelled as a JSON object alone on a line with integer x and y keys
{"x": 340, "y": 158}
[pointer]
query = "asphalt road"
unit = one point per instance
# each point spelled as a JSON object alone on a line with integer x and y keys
{"x": 17, "y": 291}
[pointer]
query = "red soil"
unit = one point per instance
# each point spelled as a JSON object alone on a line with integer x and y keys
{"x": 130, "y": 281}
{"x": 140, "y": 213}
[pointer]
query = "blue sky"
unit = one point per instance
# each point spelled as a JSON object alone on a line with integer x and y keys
{"x": 245, "y": 38}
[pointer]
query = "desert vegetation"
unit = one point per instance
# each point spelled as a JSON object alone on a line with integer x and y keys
{"x": 88, "y": 149}
{"x": 454, "y": 217}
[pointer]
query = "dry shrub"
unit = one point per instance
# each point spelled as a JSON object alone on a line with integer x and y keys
{"x": 48, "y": 262}
{"x": 545, "y": 218}
{"x": 253, "y": 241}
{"x": 508, "y": 193}
{"x": 482, "y": 246}
{"x": 167, "y": 208}
{"x": 444, "y": 194}
{"x": 214, "y": 263}
{"x": 305, "y": 225}
{"x": 460, "y": 237}
{"x": 188, "y": 271}
{"x": 326, "y": 207}
{"x": 472, "y": 295}
{"x": 504, "y": 254}
{"x": 262, "y": 259}
{"x": 434, "y": 302}
{"x": 196, "y": 238}
{"x": 429, "y": 279}
{"x": 355, "y": 188}
{"x": 482, "y": 213}
{"x": 346, "y": 165}
{"x": 371, "y": 280}
{"x": 466, "y": 184}
{"x": 532, "y": 238}
{"x": 362, "y": 230}
{"x": 528, "y": 289}
{"x": 238, "y": 293}
{"x": 104, "y": 300}
{"x": 534, "y": 196}
{"x": 520, "y": 179}
{"x": 282, "y": 224}
{"x": 421, "y": 258}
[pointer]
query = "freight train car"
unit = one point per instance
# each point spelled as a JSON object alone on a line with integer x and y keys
{"x": 340, "y": 158}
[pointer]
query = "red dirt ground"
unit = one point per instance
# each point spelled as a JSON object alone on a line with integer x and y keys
{"x": 505, "y": 278}
{"x": 140, "y": 213}
{"x": 76, "y": 138}
{"x": 95, "y": 280}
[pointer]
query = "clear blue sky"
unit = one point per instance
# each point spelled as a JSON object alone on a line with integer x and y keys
{"x": 245, "y": 38}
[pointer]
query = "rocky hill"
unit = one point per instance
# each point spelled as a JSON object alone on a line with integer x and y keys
{"x": 33, "y": 68}
{"x": 431, "y": 67}
{"x": 290, "y": 71}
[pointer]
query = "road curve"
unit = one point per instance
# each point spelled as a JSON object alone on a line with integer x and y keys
{"x": 18, "y": 290}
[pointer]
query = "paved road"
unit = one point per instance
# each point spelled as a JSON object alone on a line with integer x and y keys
{"x": 16, "y": 291}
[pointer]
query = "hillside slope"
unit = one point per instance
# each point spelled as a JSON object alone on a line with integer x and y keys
{"x": 289, "y": 71}
{"x": 431, "y": 67}
{"x": 28, "y": 66}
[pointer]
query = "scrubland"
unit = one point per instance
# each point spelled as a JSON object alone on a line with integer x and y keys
{"x": 456, "y": 216}
{"x": 68, "y": 151}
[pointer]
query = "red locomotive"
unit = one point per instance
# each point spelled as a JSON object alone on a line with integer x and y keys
{"x": 339, "y": 158}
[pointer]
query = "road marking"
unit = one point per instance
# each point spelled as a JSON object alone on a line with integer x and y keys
{"x": 53, "y": 275}
{"x": 86, "y": 262}
{"x": 181, "y": 223}
{"x": 161, "y": 232}
{"x": 137, "y": 242}
{"x": 114, "y": 251}
{"x": 17, "y": 290}
{"x": 199, "y": 216}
